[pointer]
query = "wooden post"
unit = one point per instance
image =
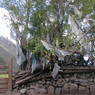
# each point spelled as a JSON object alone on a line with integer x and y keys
{"x": 10, "y": 75}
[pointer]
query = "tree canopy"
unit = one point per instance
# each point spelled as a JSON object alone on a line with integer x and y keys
{"x": 48, "y": 20}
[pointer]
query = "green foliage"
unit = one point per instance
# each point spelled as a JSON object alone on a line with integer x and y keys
{"x": 28, "y": 4}
{"x": 38, "y": 17}
{"x": 34, "y": 16}
{"x": 36, "y": 46}
{"x": 14, "y": 9}
{"x": 87, "y": 6}
{"x": 68, "y": 41}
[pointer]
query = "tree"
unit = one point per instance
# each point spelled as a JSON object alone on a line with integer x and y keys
{"x": 49, "y": 21}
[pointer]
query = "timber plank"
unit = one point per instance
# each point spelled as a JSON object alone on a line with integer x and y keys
{"x": 4, "y": 86}
{"x": 3, "y": 66}
{"x": 5, "y": 77}
{"x": 3, "y": 81}
{"x": 4, "y": 72}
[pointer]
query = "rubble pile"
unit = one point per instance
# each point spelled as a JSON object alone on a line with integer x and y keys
{"x": 42, "y": 83}
{"x": 56, "y": 76}
{"x": 25, "y": 77}
{"x": 26, "y": 80}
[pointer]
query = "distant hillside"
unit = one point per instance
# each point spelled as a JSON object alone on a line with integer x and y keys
{"x": 2, "y": 61}
{"x": 8, "y": 46}
{"x": 8, "y": 52}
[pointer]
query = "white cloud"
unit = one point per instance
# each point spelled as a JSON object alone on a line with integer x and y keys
{"x": 5, "y": 24}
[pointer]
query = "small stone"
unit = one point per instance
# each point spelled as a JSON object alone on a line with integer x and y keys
{"x": 16, "y": 94}
{"x": 51, "y": 90}
{"x": 23, "y": 91}
{"x": 42, "y": 91}
{"x": 32, "y": 87}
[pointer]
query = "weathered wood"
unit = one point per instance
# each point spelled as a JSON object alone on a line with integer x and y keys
{"x": 85, "y": 69}
{"x": 6, "y": 77}
{"x": 4, "y": 81}
{"x": 75, "y": 71}
{"x": 4, "y": 86}
{"x": 23, "y": 80}
{"x": 26, "y": 79}
{"x": 4, "y": 72}
{"x": 10, "y": 75}
{"x": 79, "y": 68}
{"x": 3, "y": 66}
{"x": 23, "y": 72}
{"x": 20, "y": 74}
{"x": 3, "y": 90}
{"x": 23, "y": 76}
